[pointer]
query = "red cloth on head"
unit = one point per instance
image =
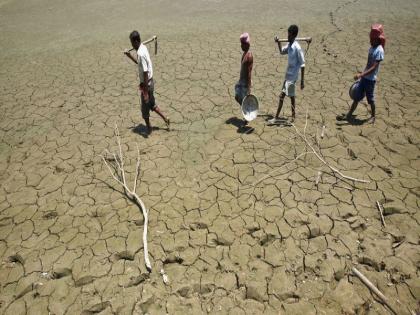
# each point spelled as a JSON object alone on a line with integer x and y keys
{"x": 245, "y": 38}
{"x": 377, "y": 32}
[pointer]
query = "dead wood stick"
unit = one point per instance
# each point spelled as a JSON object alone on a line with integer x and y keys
{"x": 278, "y": 169}
{"x": 318, "y": 177}
{"x": 313, "y": 151}
{"x": 299, "y": 39}
{"x": 372, "y": 288}
{"x": 381, "y": 212}
{"x": 397, "y": 244}
{"x": 335, "y": 170}
{"x": 119, "y": 176}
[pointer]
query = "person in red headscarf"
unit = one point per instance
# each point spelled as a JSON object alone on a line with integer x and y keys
{"x": 369, "y": 75}
{"x": 243, "y": 87}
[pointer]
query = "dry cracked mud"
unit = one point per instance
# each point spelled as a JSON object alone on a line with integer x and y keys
{"x": 70, "y": 241}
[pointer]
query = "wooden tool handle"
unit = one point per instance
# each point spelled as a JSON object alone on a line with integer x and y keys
{"x": 299, "y": 39}
{"x": 149, "y": 40}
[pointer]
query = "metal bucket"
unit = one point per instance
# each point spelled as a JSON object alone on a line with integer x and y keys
{"x": 355, "y": 92}
{"x": 250, "y": 107}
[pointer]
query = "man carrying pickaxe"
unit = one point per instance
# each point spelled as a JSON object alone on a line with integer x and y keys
{"x": 146, "y": 85}
{"x": 295, "y": 63}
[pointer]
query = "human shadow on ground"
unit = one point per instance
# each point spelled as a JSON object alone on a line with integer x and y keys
{"x": 240, "y": 124}
{"x": 141, "y": 130}
{"x": 353, "y": 121}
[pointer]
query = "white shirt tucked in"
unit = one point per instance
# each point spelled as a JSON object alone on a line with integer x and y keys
{"x": 144, "y": 62}
{"x": 295, "y": 60}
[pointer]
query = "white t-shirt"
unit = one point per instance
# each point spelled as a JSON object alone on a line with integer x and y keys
{"x": 295, "y": 60}
{"x": 144, "y": 62}
{"x": 376, "y": 54}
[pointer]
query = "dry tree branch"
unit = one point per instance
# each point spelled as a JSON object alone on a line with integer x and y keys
{"x": 278, "y": 169}
{"x": 373, "y": 288}
{"x": 119, "y": 176}
{"x": 317, "y": 153}
{"x": 381, "y": 213}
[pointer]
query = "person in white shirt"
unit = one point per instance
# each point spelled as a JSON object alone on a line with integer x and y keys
{"x": 147, "y": 84}
{"x": 296, "y": 62}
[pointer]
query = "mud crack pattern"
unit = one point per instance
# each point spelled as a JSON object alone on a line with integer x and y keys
{"x": 70, "y": 241}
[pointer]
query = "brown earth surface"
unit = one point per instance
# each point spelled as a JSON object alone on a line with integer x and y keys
{"x": 70, "y": 241}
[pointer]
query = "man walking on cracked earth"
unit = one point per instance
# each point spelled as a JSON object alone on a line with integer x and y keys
{"x": 367, "y": 78}
{"x": 243, "y": 87}
{"x": 295, "y": 62}
{"x": 147, "y": 84}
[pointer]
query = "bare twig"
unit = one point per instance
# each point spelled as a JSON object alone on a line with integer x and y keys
{"x": 278, "y": 169}
{"x": 318, "y": 155}
{"x": 397, "y": 244}
{"x": 137, "y": 170}
{"x": 381, "y": 212}
{"x": 118, "y": 174}
{"x": 318, "y": 176}
{"x": 372, "y": 288}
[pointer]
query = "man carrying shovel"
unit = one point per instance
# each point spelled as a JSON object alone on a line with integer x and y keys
{"x": 367, "y": 78}
{"x": 146, "y": 85}
{"x": 295, "y": 63}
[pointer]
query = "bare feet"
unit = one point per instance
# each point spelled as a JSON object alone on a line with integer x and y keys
{"x": 167, "y": 122}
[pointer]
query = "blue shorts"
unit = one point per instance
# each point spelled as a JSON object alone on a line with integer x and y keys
{"x": 367, "y": 87}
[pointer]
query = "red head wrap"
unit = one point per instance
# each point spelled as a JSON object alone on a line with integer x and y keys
{"x": 377, "y": 32}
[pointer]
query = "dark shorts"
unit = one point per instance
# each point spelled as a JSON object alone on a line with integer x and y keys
{"x": 368, "y": 87}
{"x": 151, "y": 104}
{"x": 241, "y": 91}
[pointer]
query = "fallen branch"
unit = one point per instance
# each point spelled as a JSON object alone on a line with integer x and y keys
{"x": 312, "y": 151}
{"x": 278, "y": 169}
{"x": 372, "y": 288}
{"x": 381, "y": 212}
{"x": 318, "y": 176}
{"x": 119, "y": 175}
{"x": 335, "y": 170}
{"x": 397, "y": 244}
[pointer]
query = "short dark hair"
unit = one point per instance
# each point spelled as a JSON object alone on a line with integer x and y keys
{"x": 135, "y": 36}
{"x": 293, "y": 29}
